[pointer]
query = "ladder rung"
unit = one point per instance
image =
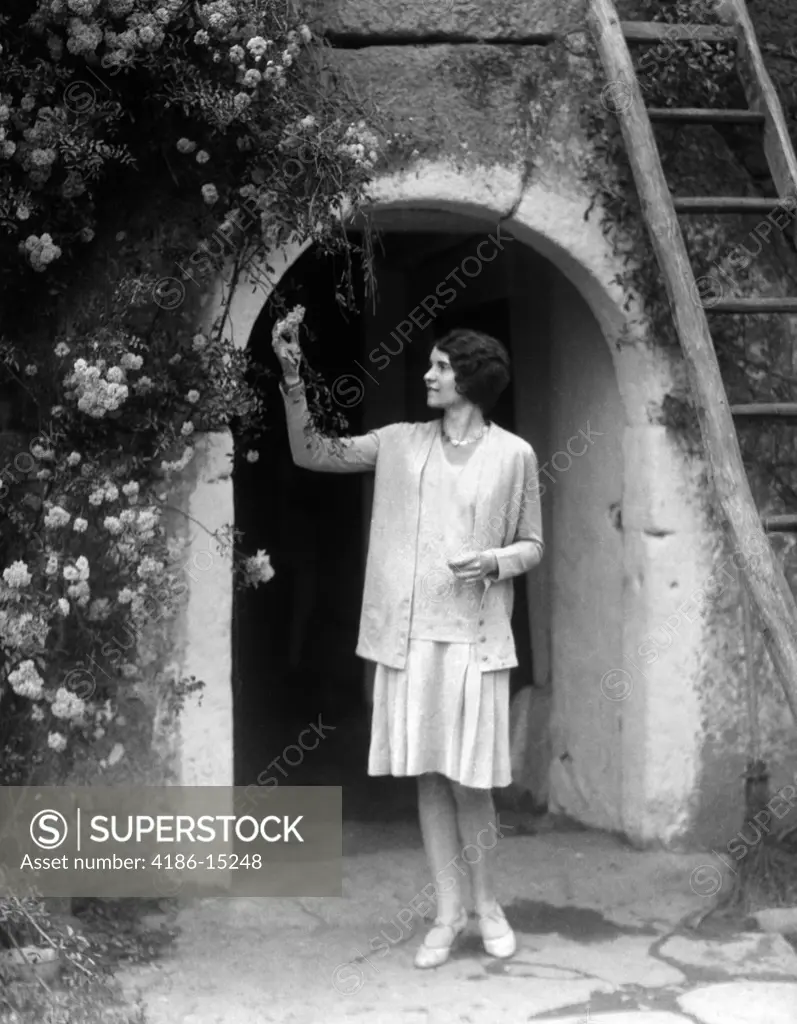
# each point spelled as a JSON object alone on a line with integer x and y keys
{"x": 766, "y": 409}
{"x": 725, "y": 204}
{"x": 704, "y": 115}
{"x": 753, "y": 305}
{"x": 658, "y": 32}
{"x": 780, "y": 524}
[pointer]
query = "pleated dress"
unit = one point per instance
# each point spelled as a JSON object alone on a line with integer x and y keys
{"x": 441, "y": 713}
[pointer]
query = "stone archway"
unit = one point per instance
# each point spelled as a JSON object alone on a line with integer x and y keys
{"x": 655, "y": 706}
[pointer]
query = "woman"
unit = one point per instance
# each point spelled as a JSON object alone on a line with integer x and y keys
{"x": 456, "y": 515}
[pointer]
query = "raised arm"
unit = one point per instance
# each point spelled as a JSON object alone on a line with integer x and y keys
{"x": 311, "y": 450}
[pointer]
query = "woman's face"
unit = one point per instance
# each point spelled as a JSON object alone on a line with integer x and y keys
{"x": 441, "y": 386}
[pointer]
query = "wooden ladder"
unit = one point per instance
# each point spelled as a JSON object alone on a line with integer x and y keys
{"x": 748, "y": 533}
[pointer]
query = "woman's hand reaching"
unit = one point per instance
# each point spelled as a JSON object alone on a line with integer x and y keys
{"x": 472, "y": 566}
{"x": 285, "y": 342}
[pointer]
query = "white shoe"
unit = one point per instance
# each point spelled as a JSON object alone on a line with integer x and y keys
{"x": 439, "y": 941}
{"x": 497, "y": 935}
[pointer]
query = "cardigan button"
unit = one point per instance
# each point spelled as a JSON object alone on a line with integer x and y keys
{"x": 482, "y": 639}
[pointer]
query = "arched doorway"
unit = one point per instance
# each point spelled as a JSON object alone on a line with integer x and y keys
{"x": 616, "y": 564}
{"x": 294, "y": 644}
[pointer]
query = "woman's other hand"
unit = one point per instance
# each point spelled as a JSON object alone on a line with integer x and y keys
{"x": 472, "y": 566}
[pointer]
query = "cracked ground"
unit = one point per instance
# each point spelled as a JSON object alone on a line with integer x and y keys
{"x": 599, "y": 934}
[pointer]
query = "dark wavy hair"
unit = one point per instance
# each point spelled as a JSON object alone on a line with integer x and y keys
{"x": 480, "y": 364}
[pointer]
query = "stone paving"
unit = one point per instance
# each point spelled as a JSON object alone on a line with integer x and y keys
{"x": 599, "y": 935}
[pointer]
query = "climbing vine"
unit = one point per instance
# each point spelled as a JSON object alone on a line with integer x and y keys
{"x": 144, "y": 148}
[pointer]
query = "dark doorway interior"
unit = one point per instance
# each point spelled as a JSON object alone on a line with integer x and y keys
{"x": 294, "y": 639}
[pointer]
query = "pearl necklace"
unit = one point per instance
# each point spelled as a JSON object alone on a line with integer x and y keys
{"x": 470, "y": 440}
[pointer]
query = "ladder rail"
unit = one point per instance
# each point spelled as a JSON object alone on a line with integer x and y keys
{"x": 763, "y": 97}
{"x": 768, "y": 584}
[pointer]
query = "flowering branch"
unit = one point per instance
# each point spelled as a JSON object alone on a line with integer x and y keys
{"x": 229, "y": 102}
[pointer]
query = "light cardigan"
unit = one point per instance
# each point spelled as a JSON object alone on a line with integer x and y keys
{"x": 507, "y": 511}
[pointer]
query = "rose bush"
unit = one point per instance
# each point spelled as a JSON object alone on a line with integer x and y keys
{"x": 106, "y": 106}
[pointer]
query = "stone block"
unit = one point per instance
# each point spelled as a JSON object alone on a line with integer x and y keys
{"x": 746, "y": 954}
{"x": 455, "y": 19}
{"x": 782, "y": 920}
{"x": 471, "y": 103}
{"x": 742, "y": 1002}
